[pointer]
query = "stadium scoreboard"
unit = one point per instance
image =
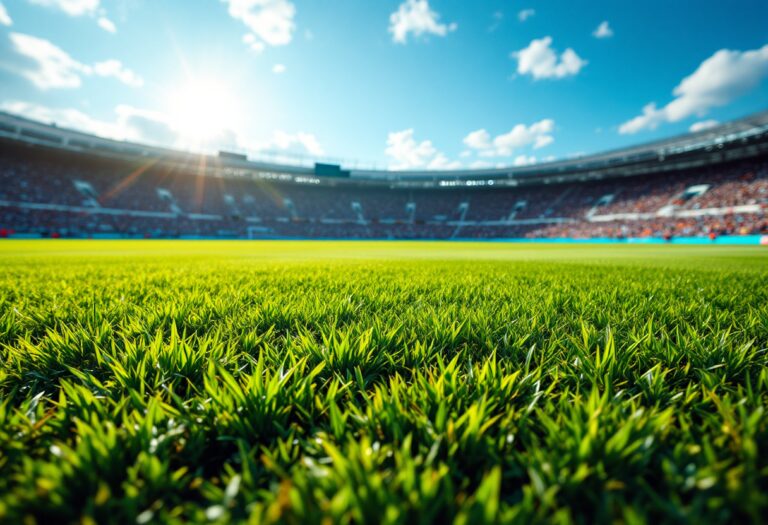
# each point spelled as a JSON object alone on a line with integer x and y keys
{"x": 330, "y": 170}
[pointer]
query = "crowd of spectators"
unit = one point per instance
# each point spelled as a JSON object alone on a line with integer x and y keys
{"x": 65, "y": 196}
{"x": 664, "y": 227}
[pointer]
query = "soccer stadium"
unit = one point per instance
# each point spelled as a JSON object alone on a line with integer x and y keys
{"x": 708, "y": 185}
{"x": 397, "y": 262}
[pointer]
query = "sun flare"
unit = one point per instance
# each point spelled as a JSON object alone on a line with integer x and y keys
{"x": 202, "y": 110}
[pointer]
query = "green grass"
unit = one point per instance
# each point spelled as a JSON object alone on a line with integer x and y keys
{"x": 299, "y": 382}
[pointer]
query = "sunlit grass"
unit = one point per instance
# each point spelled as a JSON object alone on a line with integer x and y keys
{"x": 382, "y": 382}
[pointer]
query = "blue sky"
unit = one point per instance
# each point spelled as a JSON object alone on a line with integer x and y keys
{"x": 397, "y": 83}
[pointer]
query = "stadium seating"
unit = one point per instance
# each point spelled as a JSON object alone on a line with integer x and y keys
{"x": 77, "y": 196}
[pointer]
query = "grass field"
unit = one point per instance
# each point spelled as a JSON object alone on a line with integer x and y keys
{"x": 300, "y": 382}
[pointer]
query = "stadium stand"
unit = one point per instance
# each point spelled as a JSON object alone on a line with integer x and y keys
{"x": 698, "y": 185}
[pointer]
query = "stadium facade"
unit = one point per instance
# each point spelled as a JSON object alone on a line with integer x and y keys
{"x": 63, "y": 183}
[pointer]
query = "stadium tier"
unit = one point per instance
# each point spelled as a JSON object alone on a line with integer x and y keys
{"x": 61, "y": 183}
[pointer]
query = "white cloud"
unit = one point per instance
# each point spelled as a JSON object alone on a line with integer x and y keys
{"x": 107, "y": 25}
{"x": 479, "y": 139}
{"x": 251, "y": 41}
{"x": 129, "y": 124}
{"x": 71, "y": 7}
{"x": 54, "y": 67}
{"x": 717, "y": 81}
{"x": 152, "y": 127}
{"x": 67, "y": 118}
{"x": 603, "y": 30}
{"x": 283, "y": 146}
{"x": 147, "y": 126}
{"x": 270, "y": 21}
{"x": 5, "y": 18}
{"x": 525, "y": 14}
{"x": 406, "y": 153}
{"x": 537, "y": 135}
{"x": 51, "y": 67}
{"x": 91, "y": 8}
{"x": 115, "y": 68}
{"x": 650, "y": 119}
{"x": 441, "y": 162}
{"x": 300, "y": 142}
{"x": 703, "y": 125}
{"x": 278, "y": 69}
{"x": 523, "y": 160}
{"x": 416, "y": 17}
{"x": 541, "y": 61}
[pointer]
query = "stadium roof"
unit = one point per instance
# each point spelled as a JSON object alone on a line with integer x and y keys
{"x": 742, "y": 138}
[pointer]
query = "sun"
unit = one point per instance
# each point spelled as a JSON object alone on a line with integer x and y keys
{"x": 202, "y": 111}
